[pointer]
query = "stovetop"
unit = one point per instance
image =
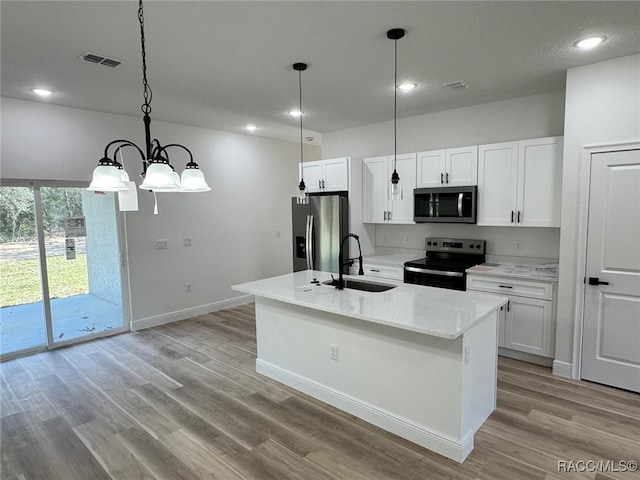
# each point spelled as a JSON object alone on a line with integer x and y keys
{"x": 449, "y": 254}
{"x": 445, "y": 264}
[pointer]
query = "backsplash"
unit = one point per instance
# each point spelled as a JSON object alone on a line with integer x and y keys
{"x": 519, "y": 242}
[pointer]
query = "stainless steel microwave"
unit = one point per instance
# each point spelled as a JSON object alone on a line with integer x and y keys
{"x": 445, "y": 205}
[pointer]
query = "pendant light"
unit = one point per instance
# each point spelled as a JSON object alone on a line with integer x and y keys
{"x": 159, "y": 175}
{"x": 395, "y": 34}
{"x": 302, "y": 188}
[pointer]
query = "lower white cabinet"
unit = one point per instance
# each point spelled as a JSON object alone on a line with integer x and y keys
{"x": 527, "y": 323}
{"x": 383, "y": 271}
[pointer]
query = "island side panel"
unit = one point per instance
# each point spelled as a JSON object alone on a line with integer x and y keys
{"x": 405, "y": 382}
{"x": 480, "y": 376}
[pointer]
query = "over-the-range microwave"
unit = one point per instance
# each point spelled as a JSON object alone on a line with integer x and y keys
{"x": 445, "y": 205}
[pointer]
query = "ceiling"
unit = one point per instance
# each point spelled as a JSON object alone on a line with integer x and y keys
{"x": 224, "y": 64}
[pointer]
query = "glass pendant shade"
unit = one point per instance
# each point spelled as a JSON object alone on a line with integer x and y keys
{"x": 160, "y": 177}
{"x": 302, "y": 193}
{"x": 107, "y": 178}
{"x": 396, "y": 188}
{"x": 192, "y": 180}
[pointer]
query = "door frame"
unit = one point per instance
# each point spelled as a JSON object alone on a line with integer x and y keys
{"x": 124, "y": 268}
{"x": 581, "y": 261}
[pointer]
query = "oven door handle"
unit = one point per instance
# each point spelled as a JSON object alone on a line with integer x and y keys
{"x": 460, "y": 204}
{"x": 441, "y": 273}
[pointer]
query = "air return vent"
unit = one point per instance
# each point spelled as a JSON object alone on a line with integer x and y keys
{"x": 100, "y": 59}
{"x": 459, "y": 85}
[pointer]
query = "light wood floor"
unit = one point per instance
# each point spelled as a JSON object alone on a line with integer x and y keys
{"x": 182, "y": 401}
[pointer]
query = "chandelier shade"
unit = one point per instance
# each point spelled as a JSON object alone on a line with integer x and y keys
{"x": 108, "y": 178}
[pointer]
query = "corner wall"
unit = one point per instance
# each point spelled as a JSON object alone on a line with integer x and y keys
{"x": 602, "y": 107}
{"x": 241, "y": 229}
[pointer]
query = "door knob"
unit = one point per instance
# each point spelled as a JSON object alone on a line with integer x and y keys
{"x": 596, "y": 281}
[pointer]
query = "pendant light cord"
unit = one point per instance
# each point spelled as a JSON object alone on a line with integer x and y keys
{"x": 395, "y": 104}
{"x": 300, "y": 90}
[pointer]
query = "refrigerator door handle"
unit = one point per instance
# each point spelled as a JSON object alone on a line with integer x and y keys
{"x": 309, "y": 242}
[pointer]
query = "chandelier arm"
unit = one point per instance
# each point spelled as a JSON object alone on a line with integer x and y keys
{"x": 123, "y": 143}
{"x": 164, "y": 149}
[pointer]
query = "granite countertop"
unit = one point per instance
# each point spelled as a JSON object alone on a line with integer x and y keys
{"x": 547, "y": 272}
{"x": 432, "y": 311}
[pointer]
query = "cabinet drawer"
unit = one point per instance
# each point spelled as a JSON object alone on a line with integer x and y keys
{"x": 394, "y": 273}
{"x": 510, "y": 286}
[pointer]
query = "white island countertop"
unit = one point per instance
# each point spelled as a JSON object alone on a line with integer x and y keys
{"x": 432, "y": 311}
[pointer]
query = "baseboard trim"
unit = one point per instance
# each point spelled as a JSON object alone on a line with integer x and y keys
{"x": 156, "y": 320}
{"x": 405, "y": 428}
{"x": 562, "y": 369}
{"x": 525, "y": 357}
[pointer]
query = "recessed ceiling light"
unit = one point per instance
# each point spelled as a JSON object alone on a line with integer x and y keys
{"x": 42, "y": 92}
{"x": 251, "y": 127}
{"x": 295, "y": 113}
{"x": 587, "y": 43}
{"x": 407, "y": 86}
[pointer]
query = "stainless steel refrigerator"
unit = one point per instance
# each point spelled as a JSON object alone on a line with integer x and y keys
{"x": 318, "y": 228}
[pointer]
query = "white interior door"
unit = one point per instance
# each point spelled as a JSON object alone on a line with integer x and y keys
{"x": 611, "y": 334}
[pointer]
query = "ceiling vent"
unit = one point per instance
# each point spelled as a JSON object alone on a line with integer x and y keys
{"x": 459, "y": 85}
{"x": 100, "y": 59}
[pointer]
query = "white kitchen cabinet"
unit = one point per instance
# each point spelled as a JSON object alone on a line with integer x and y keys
{"x": 453, "y": 167}
{"x": 377, "y": 205}
{"x": 519, "y": 183}
{"x": 527, "y": 322}
{"x": 331, "y": 175}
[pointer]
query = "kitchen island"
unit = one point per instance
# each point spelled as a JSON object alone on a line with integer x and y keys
{"x": 417, "y": 361}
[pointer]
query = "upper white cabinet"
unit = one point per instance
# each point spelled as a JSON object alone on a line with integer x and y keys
{"x": 329, "y": 175}
{"x": 519, "y": 183}
{"x": 453, "y": 167}
{"x": 377, "y": 206}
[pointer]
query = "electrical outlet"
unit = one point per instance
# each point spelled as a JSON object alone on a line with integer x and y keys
{"x": 188, "y": 287}
{"x": 407, "y": 240}
{"x": 188, "y": 241}
{"x": 162, "y": 244}
{"x": 385, "y": 239}
{"x": 519, "y": 245}
{"x": 333, "y": 352}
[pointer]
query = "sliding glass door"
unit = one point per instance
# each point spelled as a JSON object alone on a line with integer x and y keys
{"x": 61, "y": 248}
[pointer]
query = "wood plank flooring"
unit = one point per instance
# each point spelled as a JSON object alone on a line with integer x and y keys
{"x": 183, "y": 401}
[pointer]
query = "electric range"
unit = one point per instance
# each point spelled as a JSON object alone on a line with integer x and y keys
{"x": 445, "y": 262}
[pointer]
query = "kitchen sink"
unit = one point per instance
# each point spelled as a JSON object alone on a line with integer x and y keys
{"x": 362, "y": 285}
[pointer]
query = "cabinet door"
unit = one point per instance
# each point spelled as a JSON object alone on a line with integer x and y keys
{"x": 402, "y": 209}
{"x": 430, "y": 169}
{"x": 461, "y": 166}
{"x": 375, "y": 189}
{"x": 497, "y": 182}
{"x": 336, "y": 174}
{"x": 528, "y": 325}
{"x": 540, "y": 182}
{"x": 312, "y": 174}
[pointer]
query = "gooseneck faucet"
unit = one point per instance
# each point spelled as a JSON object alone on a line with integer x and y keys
{"x": 342, "y": 263}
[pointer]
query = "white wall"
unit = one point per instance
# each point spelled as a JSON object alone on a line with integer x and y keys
{"x": 602, "y": 107}
{"x": 515, "y": 119}
{"x": 241, "y": 229}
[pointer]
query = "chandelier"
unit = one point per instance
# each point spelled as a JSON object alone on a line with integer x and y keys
{"x": 157, "y": 171}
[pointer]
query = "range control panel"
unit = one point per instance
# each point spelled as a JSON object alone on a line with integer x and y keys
{"x": 455, "y": 245}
